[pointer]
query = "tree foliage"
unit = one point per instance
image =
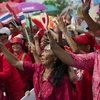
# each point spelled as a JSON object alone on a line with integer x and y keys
{"x": 3, "y": 1}
{"x": 60, "y": 4}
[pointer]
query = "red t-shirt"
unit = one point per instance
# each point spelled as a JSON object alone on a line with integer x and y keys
{"x": 84, "y": 87}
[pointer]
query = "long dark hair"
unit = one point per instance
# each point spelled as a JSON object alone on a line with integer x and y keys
{"x": 58, "y": 73}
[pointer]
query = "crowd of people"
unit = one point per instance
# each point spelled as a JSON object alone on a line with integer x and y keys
{"x": 61, "y": 63}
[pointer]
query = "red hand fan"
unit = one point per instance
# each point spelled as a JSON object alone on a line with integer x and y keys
{"x": 38, "y": 23}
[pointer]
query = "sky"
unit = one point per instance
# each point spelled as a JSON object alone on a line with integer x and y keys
{"x": 40, "y": 1}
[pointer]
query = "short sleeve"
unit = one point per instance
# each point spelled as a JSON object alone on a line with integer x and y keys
{"x": 30, "y": 68}
{"x": 84, "y": 61}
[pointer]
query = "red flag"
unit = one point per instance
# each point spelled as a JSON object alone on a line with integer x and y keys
{"x": 5, "y": 17}
{"x": 14, "y": 11}
{"x": 21, "y": 17}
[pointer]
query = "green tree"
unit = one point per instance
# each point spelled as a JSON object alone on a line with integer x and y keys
{"x": 60, "y": 4}
{"x": 3, "y": 1}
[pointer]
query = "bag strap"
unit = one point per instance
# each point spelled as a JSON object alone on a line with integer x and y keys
{"x": 22, "y": 58}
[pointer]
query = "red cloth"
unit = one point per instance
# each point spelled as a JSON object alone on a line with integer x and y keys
{"x": 17, "y": 95}
{"x": 31, "y": 55}
{"x": 89, "y": 62}
{"x": 68, "y": 48}
{"x": 8, "y": 46}
{"x": 14, "y": 34}
{"x": 97, "y": 47}
{"x": 22, "y": 74}
{"x": 74, "y": 95}
{"x": 10, "y": 74}
{"x": 18, "y": 1}
{"x": 62, "y": 92}
{"x": 84, "y": 87}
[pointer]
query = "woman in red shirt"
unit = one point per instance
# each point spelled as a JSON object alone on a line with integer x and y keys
{"x": 50, "y": 78}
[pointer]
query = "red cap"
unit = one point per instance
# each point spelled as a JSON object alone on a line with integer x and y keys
{"x": 17, "y": 40}
{"x": 85, "y": 38}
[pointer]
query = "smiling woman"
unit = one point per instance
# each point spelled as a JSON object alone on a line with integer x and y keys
{"x": 17, "y": 47}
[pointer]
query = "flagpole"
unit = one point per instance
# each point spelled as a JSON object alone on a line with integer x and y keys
{"x": 27, "y": 35}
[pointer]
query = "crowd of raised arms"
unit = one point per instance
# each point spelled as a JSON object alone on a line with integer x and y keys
{"x": 60, "y": 63}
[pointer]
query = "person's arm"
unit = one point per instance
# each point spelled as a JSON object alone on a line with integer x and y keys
{"x": 55, "y": 35}
{"x": 70, "y": 41}
{"x": 36, "y": 56}
{"x": 94, "y": 27}
{"x": 81, "y": 61}
{"x": 11, "y": 58}
{"x": 72, "y": 75}
{"x": 38, "y": 50}
{"x": 61, "y": 54}
{"x": 60, "y": 41}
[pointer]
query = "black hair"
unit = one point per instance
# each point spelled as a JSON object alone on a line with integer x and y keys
{"x": 91, "y": 49}
{"x": 58, "y": 73}
{"x": 17, "y": 23}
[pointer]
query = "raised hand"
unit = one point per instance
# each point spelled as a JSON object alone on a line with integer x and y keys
{"x": 60, "y": 23}
{"x": 31, "y": 47}
{"x": 36, "y": 37}
{"x": 86, "y": 6}
{"x": 51, "y": 39}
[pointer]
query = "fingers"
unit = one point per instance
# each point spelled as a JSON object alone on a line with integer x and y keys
{"x": 27, "y": 93}
{"x": 56, "y": 21}
{"x": 31, "y": 46}
{"x": 82, "y": 1}
{"x": 36, "y": 37}
{"x": 86, "y": 1}
{"x": 50, "y": 35}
